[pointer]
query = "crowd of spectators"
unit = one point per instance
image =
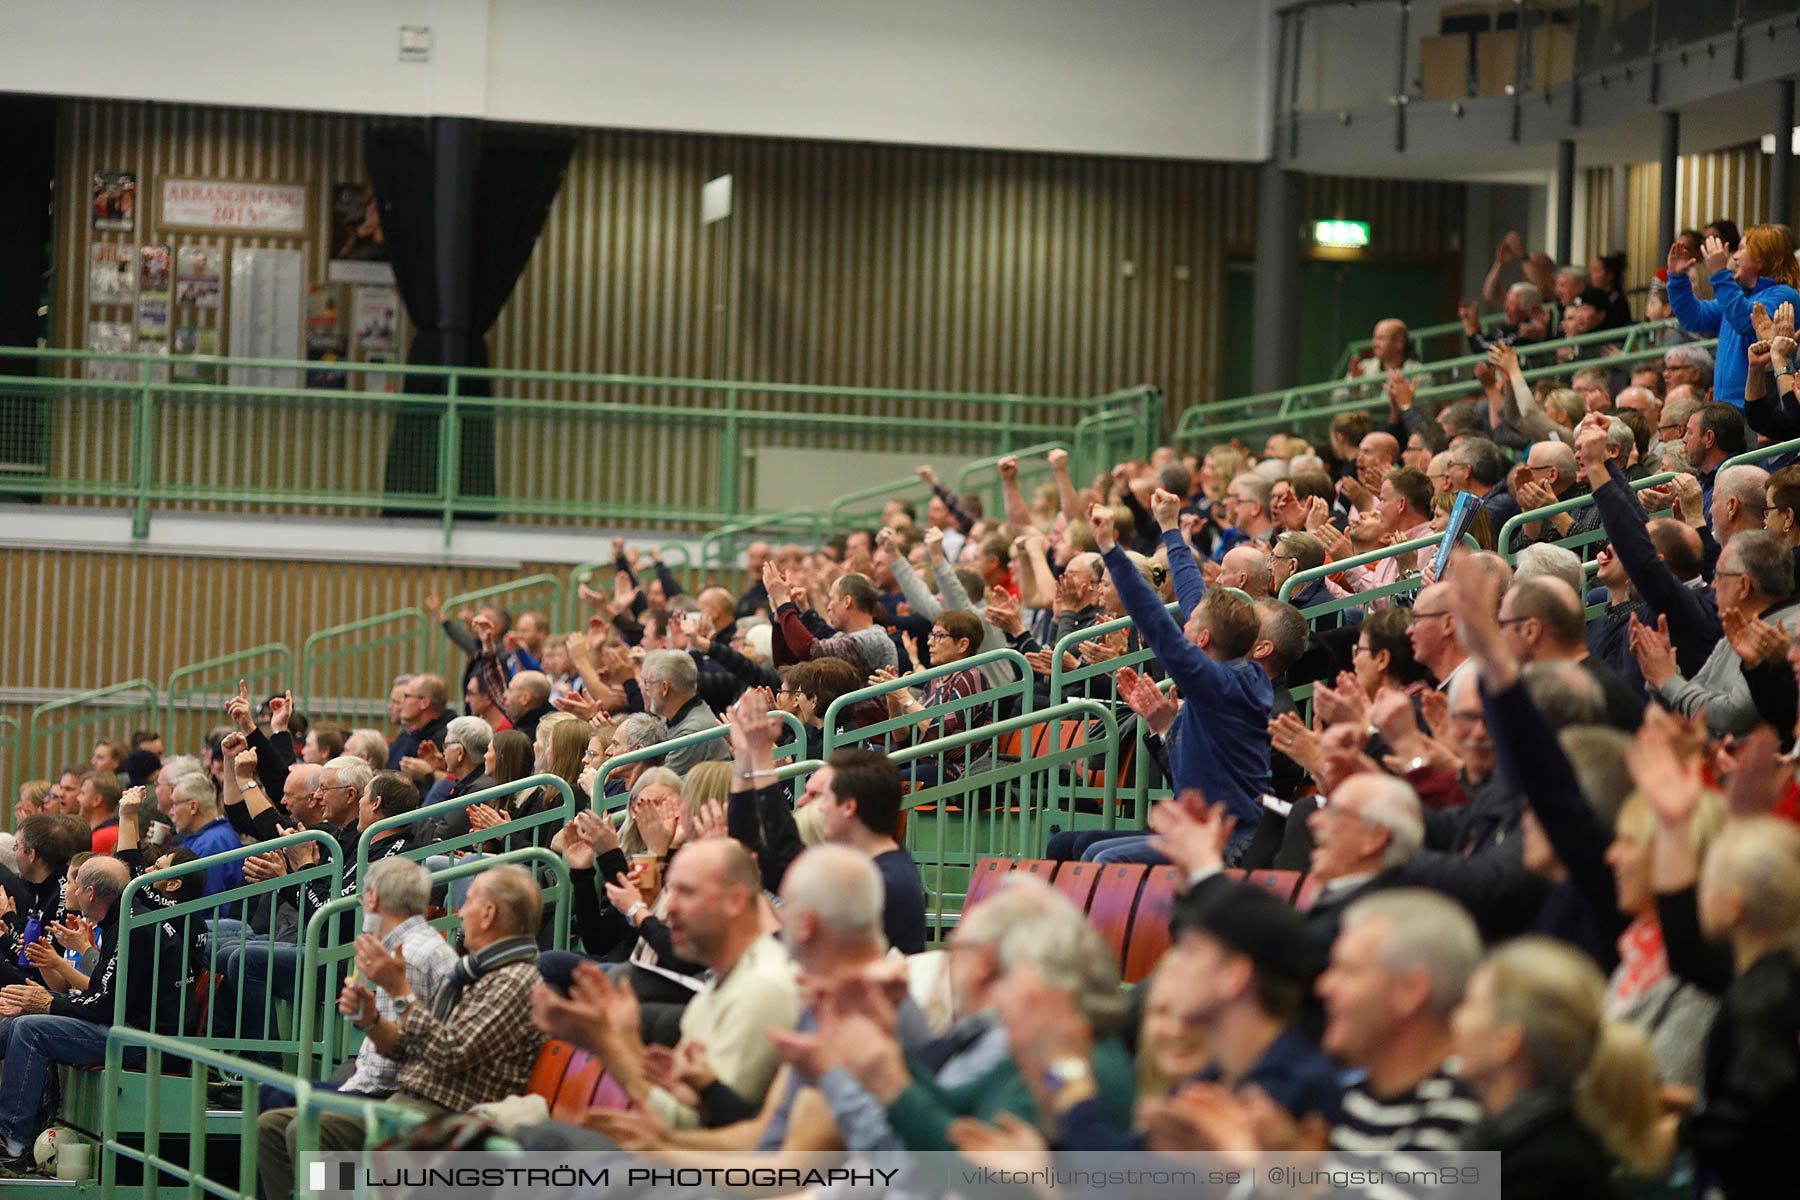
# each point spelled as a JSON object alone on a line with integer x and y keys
{"x": 1542, "y": 794}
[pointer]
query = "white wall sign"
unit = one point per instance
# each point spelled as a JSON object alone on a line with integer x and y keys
{"x": 216, "y": 204}
{"x": 266, "y": 288}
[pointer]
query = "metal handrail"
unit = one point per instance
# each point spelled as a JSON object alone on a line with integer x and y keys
{"x": 1513, "y": 523}
{"x": 34, "y": 720}
{"x": 1756, "y": 458}
{"x": 1198, "y": 418}
{"x": 1299, "y": 579}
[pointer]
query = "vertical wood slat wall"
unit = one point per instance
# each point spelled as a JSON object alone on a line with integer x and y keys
{"x": 883, "y": 266}
{"x": 1732, "y": 183}
{"x": 239, "y": 448}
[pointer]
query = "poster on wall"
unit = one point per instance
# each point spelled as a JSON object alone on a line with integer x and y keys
{"x": 381, "y": 381}
{"x": 198, "y": 270}
{"x": 322, "y": 313}
{"x": 110, "y": 337}
{"x": 153, "y": 316}
{"x": 374, "y": 313}
{"x": 114, "y": 201}
{"x": 191, "y": 340}
{"x": 325, "y": 348}
{"x": 112, "y": 273}
{"x": 231, "y": 207}
{"x": 358, "y": 250}
{"x": 267, "y": 306}
{"x": 155, "y": 267}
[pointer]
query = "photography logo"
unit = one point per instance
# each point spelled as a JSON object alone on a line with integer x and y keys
{"x": 331, "y": 1178}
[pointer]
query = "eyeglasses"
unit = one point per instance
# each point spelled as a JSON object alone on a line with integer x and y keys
{"x": 326, "y": 791}
{"x": 936, "y": 634}
{"x": 1416, "y": 615}
{"x": 1505, "y": 621}
{"x": 1727, "y": 574}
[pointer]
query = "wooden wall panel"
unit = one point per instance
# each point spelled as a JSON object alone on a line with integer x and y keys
{"x": 876, "y": 266}
{"x": 98, "y": 618}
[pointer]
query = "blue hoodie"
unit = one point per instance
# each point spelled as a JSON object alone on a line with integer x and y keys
{"x": 1220, "y": 742}
{"x": 1728, "y": 316}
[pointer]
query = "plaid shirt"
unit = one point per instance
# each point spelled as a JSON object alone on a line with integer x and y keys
{"x": 483, "y": 1052}
{"x": 429, "y": 962}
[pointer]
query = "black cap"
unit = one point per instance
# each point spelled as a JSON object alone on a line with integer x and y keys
{"x": 1253, "y": 923}
{"x": 141, "y": 767}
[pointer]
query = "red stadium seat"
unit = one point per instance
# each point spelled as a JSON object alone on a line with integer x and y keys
{"x": 1150, "y": 923}
{"x": 985, "y": 880}
{"x": 576, "y": 1095}
{"x": 1043, "y": 868}
{"x": 1076, "y": 880}
{"x": 547, "y": 1073}
{"x": 1114, "y": 897}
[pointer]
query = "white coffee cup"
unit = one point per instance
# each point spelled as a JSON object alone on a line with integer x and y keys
{"x": 74, "y": 1160}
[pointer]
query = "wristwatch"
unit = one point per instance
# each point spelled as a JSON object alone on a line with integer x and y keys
{"x": 1067, "y": 1070}
{"x": 401, "y": 1004}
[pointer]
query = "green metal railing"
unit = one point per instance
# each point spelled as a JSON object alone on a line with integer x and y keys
{"x": 790, "y": 749}
{"x": 1761, "y": 455}
{"x": 1321, "y": 401}
{"x": 1407, "y": 583}
{"x": 1356, "y": 348}
{"x": 998, "y": 805}
{"x": 12, "y": 751}
{"x": 322, "y": 966}
{"x": 611, "y": 427}
{"x": 348, "y": 670}
{"x": 542, "y": 593}
{"x": 720, "y": 547}
{"x": 195, "y": 695}
{"x": 233, "y": 1029}
{"x": 1576, "y": 542}
{"x": 53, "y": 741}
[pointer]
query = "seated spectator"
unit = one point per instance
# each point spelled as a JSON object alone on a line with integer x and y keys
{"x": 671, "y": 682}
{"x": 1732, "y": 934}
{"x": 1738, "y": 281}
{"x": 1397, "y": 973}
{"x": 1477, "y": 467}
{"x": 97, "y": 801}
{"x": 851, "y": 612}
{"x": 1606, "y": 272}
{"x": 715, "y": 917}
{"x": 1569, "y": 1097}
{"x": 1292, "y": 554}
{"x": 1526, "y": 320}
{"x": 527, "y": 701}
{"x": 1543, "y": 621}
{"x": 953, "y": 638}
{"x": 324, "y": 742}
{"x": 474, "y": 1043}
{"x": 45, "y": 1029}
{"x": 857, "y": 796}
{"x": 1389, "y": 349}
{"x": 1032, "y": 958}
{"x": 637, "y": 732}
{"x": 1755, "y": 581}
{"x": 43, "y": 847}
{"x": 466, "y": 744}
{"x": 200, "y": 826}
{"x": 1246, "y": 568}
{"x": 422, "y": 718}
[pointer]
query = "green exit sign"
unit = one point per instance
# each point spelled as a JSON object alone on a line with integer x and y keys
{"x": 1341, "y": 235}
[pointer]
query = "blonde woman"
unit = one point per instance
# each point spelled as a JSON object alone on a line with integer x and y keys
{"x": 1570, "y": 1097}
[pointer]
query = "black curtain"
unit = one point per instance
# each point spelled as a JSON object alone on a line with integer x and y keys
{"x": 28, "y": 148}
{"x": 498, "y": 185}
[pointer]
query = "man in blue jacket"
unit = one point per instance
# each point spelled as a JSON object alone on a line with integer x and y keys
{"x": 1737, "y": 284}
{"x": 1219, "y": 744}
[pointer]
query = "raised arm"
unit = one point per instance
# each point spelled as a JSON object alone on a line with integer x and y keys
{"x": 1187, "y": 664}
{"x": 1695, "y": 315}
{"x": 1065, "y": 486}
{"x": 1018, "y": 513}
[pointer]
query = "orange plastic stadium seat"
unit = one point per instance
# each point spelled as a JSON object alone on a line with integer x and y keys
{"x": 547, "y": 1073}
{"x": 985, "y": 879}
{"x": 1076, "y": 880}
{"x": 576, "y": 1095}
{"x": 1043, "y": 868}
{"x": 1150, "y": 923}
{"x": 1114, "y": 897}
